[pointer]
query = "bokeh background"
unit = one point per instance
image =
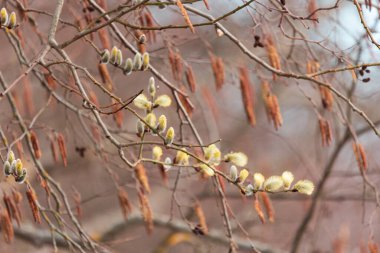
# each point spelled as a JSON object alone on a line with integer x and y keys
{"x": 346, "y": 215}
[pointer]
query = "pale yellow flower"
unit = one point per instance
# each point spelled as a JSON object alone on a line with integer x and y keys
{"x": 288, "y": 178}
{"x": 304, "y": 186}
{"x": 273, "y": 184}
{"x": 237, "y": 158}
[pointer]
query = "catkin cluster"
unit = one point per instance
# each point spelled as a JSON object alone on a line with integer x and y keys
{"x": 13, "y": 167}
{"x": 212, "y": 154}
{"x": 152, "y": 124}
{"x": 8, "y": 20}
{"x": 115, "y": 57}
{"x": 272, "y": 184}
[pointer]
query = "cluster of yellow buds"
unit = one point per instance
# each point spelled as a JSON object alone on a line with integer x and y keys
{"x": 115, "y": 57}
{"x": 8, "y": 21}
{"x": 213, "y": 157}
{"x": 212, "y": 154}
{"x": 150, "y": 122}
{"x": 272, "y": 184}
{"x": 13, "y": 167}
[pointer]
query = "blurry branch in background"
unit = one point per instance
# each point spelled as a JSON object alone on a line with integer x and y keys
{"x": 367, "y": 29}
{"x": 40, "y": 237}
{"x": 156, "y": 141}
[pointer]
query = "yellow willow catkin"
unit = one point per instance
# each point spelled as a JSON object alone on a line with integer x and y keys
{"x": 4, "y": 17}
{"x": 12, "y": 20}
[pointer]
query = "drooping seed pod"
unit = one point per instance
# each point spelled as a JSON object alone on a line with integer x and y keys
{"x": 185, "y": 15}
{"x": 105, "y": 75}
{"x": 53, "y": 149}
{"x": 32, "y": 199}
{"x": 124, "y": 202}
{"x": 77, "y": 201}
{"x": 259, "y": 210}
{"x": 62, "y": 148}
{"x": 137, "y": 62}
{"x": 142, "y": 177}
{"x": 258, "y": 180}
{"x": 114, "y": 53}
{"x": 190, "y": 78}
{"x": 326, "y": 97}
{"x": 128, "y": 67}
{"x": 273, "y": 184}
{"x": 145, "y": 61}
{"x": 152, "y": 86}
{"x": 4, "y": 17}
{"x": 162, "y": 122}
{"x": 248, "y": 96}
{"x": 288, "y": 178}
{"x": 35, "y": 144}
{"x": 243, "y": 175}
{"x": 233, "y": 173}
{"x": 360, "y": 156}
{"x": 163, "y": 101}
{"x": 273, "y": 55}
{"x": 237, "y": 158}
{"x": 218, "y": 70}
{"x": 12, "y": 208}
{"x": 268, "y": 206}
{"x": 12, "y": 20}
{"x": 185, "y": 101}
{"x": 146, "y": 212}
{"x": 118, "y": 116}
{"x": 6, "y": 226}
{"x": 169, "y": 136}
{"x": 157, "y": 153}
{"x": 140, "y": 128}
{"x": 17, "y": 198}
{"x": 105, "y": 58}
{"x": 304, "y": 186}
{"x": 201, "y": 218}
{"x": 326, "y": 132}
{"x": 119, "y": 58}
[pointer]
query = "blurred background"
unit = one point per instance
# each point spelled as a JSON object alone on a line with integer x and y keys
{"x": 346, "y": 216}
